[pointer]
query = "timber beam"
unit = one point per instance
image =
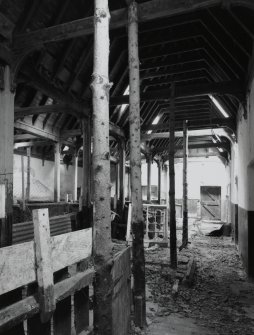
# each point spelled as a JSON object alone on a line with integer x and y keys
{"x": 224, "y": 145}
{"x": 195, "y": 124}
{"x": 191, "y": 133}
{"x": 35, "y": 80}
{"x": 21, "y": 112}
{"x": 6, "y": 27}
{"x": 41, "y": 133}
{"x": 227, "y": 87}
{"x": 113, "y": 130}
{"x": 148, "y": 11}
{"x": 30, "y": 144}
{"x": 24, "y": 137}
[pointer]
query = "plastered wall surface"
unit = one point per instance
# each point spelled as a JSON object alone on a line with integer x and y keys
{"x": 201, "y": 172}
{"x": 245, "y": 136}
{"x": 42, "y": 179}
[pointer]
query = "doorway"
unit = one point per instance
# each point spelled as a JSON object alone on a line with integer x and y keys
{"x": 210, "y": 202}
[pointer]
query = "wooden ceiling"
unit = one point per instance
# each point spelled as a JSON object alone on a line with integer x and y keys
{"x": 204, "y": 47}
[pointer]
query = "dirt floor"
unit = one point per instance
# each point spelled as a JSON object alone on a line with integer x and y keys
{"x": 220, "y": 300}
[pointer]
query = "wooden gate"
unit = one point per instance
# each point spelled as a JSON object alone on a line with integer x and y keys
{"x": 210, "y": 202}
{"x": 46, "y": 306}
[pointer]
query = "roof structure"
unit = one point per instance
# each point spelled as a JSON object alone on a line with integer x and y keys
{"x": 204, "y": 47}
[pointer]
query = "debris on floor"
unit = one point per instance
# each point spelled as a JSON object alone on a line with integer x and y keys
{"x": 218, "y": 300}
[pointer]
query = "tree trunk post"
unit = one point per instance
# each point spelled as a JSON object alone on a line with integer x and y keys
{"x": 23, "y": 184}
{"x": 173, "y": 238}
{"x": 135, "y": 165}
{"x": 6, "y": 154}
{"x": 149, "y": 165}
{"x": 28, "y": 174}
{"x": 86, "y": 184}
{"x": 102, "y": 244}
{"x": 75, "y": 181}
{"x": 122, "y": 174}
{"x": 159, "y": 180}
{"x": 185, "y": 185}
{"x": 6, "y": 178}
{"x": 57, "y": 173}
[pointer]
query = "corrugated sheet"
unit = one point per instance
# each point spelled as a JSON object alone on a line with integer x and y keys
{"x": 24, "y": 231}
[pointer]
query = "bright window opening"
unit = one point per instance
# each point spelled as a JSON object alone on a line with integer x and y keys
{"x": 218, "y": 105}
{"x": 155, "y": 121}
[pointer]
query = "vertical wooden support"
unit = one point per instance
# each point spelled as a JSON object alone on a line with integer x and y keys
{"x": 44, "y": 267}
{"x": 116, "y": 197}
{"x": 173, "y": 238}
{"x": 57, "y": 173}
{"x": 28, "y": 174}
{"x": 86, "y": 183}
{"x": 149, "y": 166}
{"x": 122, "y": 174}
{"x": 135, "y": 165}
{"x": 102, "y": 244}
{"x": 185, "y": 185}
{"x": 75, "y": 181}
{"x": 159, "y": 180}
{"x": 6, "y": 178}
{"x": 6, "y": 153}
{"x": 23, "y": 183}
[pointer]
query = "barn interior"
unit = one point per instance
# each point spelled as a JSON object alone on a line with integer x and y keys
{"x": 109, "y": 105}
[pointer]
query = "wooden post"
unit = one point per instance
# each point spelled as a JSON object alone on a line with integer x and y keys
{"x": 23, "y": 183}
{"x": 6, "y": 178}
{"x": 173, "y": 238}
{"x": 28, "y": 174}
{"x": 122, "y": 174}
{"x": 6, "y": 155}
{"x": 135, "y": 165}
{"x": 102, "y": 244}
{"x": 44, "y": 265}
{"x": 86, "y": 184}
{"x": 159, "y": 180}
{"x": 149, "y": 165}
{"x": 185, "y": 185}
{"x": 57, "y": 173}
{"x": 75, "y": 182}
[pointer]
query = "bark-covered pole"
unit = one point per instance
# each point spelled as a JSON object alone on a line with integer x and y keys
{"x": 102, "y": 244}
{"x": 173, "y": 240}
{"x": 28, "y": 178}
{"x": 86, "y": 183}
{"x": 135, "y": 165}
{"x": 185, "y": 185}
{"x": 149, "y": 166}
{"x": 159, "y": 164}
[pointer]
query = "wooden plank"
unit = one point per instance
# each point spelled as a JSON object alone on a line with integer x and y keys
{"x": 121, "y": 303}
{"x": 17, "y": 263}
{"x": 29, "y": 306}
{"x": 44, "y": 268}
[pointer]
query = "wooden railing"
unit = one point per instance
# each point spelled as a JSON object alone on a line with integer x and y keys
{"x": 56, "y": 300}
